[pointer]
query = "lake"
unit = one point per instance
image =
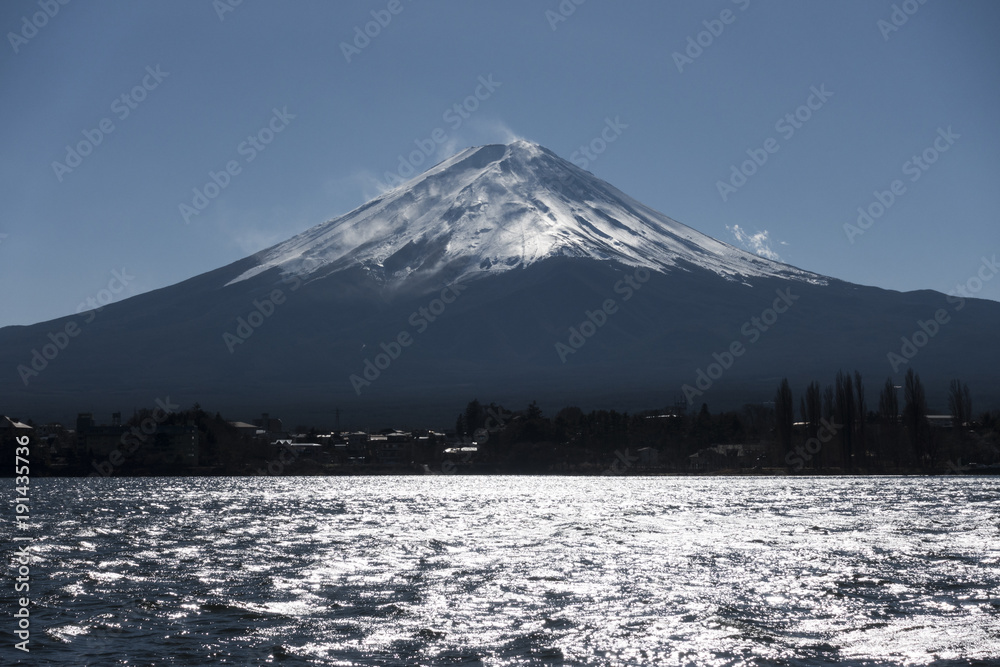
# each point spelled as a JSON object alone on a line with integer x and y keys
{"x": 455, "y": 570}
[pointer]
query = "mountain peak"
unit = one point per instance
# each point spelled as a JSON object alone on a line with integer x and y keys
{"x": 494, "y": 208}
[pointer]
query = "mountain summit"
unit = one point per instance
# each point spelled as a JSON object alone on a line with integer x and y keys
{"x": 503, "y": 273}
{"x": 491, "y": 209}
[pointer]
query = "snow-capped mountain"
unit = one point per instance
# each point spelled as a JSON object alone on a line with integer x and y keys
{"x": 557, "y": 288}
{"x": 494, "y": 208}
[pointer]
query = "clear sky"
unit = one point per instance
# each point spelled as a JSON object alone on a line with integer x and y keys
{"x": 926, "y": 75}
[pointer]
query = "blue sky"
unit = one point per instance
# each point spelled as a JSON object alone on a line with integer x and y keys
{"x": 209, "y": 79}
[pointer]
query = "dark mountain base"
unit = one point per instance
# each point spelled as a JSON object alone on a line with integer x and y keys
{"x": 291, "y": 348}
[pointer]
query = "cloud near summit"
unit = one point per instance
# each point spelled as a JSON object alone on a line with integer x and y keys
{"x": 758, "y": 243}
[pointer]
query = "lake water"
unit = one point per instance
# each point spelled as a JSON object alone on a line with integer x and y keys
{"x": 453, "y": 570}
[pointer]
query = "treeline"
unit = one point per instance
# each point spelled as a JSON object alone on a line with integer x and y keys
{"x": 835, "y": 428}
{"x": 841, "y": 429}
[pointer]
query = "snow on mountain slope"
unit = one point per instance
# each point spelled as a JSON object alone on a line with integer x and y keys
{"x": 494, "y": 208}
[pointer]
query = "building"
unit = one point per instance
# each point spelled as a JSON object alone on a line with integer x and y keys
{"x": 175, "y": 444}
{"x": 268, "y": 424}
{"x": 58, "y": 441}
{"x": 357, "y": 442}
{"x": 941, "y": 421}
{"x": 98, "y": 441}
{"x": 311, "y": 450}
{"x": 244, "y": 428}
{"x": 168, "y": 444}
{"x": 648, "y": 456}
{"x": 10, "y": 430}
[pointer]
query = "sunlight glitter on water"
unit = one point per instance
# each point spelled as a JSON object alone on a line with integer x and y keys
{"x": 523, "y": 570}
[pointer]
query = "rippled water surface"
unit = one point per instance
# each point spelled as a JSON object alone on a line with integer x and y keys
{"x": 514, "y": 571}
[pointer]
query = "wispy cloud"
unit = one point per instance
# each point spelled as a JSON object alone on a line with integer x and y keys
{"x": 478, "y": 131}
{"x": 361, "y": 181}
{"x": 758, "y": 243}
{"x": 250, "y": 231}
{"x": 251, "y": 241}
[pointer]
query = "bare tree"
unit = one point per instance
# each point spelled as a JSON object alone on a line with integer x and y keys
{"x": 784, "y": 414}
{"x": 862, "y": 412}
{"x": 959, "y": 403}
{"x": 888, "y": 411}
{"x": 915, "y": 417}
{"x": 812, "y": 412}
{"x": 845, "y": 411}
{"x": 828, "y": 402}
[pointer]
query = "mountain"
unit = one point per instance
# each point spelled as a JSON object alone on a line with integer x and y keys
{"x": 492, "y": 209}
{"x": 503, "y": 273}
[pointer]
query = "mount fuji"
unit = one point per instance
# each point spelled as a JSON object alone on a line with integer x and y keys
{"x": 492, "y": 209}
{"x": 504, "y": 273}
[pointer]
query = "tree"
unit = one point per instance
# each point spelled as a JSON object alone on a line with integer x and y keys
{"x": 535, "y": 427}
{"x": 473, "y": 416}
{"x": 760, "y": 419}
{"x": 567, "y": 423}
{"x": 888, "y": 404}
{"x": 812, "y": 412}
{"x": 701, "y": 428}
{"x": 915, "y": 416}
{"x": 862, "y": 411}
{"x": 888, "y": 411}
{"x": 784, "y": 415}
{"x": 959, "y": 404}
{"x": 845, "y": 415}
